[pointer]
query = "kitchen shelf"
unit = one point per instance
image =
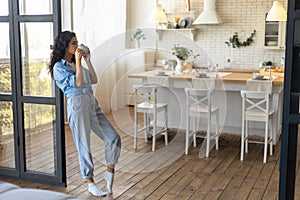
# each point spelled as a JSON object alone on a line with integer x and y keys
{"x": 190, "y": 32}
{"x": 276, "y": 36}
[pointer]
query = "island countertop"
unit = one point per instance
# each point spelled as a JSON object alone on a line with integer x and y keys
{"x": 226, "y": 95}
{"x": 230, "y": 77}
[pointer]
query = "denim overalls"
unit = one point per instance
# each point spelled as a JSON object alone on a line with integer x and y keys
{"x": 85, "y": 115}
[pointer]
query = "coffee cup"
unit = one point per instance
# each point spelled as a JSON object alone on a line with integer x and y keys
{"x": 202, "y": 74}
{"x": 259, "y": 76}
{"x": 84, "y": 48}
{"x": 160, "y": 73}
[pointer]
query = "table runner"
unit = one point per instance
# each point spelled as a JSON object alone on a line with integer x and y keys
{"x": 259, "y": 85}
{"x": 161, "y": 80}
{"x": 203, "y": 83}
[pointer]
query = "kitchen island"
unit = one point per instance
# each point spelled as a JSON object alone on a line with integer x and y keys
{"x": 226, "y": 95}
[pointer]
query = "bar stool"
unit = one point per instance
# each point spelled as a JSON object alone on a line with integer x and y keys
{"x": 199, "y": 105}
{"x": 256, "y": 107}
{"x": 149, "y": 106}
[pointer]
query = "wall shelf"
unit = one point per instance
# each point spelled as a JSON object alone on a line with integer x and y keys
{"x": 190, "y": 32}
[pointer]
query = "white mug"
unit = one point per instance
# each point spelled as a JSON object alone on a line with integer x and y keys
{"x": 84, "y": 48}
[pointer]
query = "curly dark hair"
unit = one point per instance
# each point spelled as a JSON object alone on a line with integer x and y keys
{"x": 61, "y": 43}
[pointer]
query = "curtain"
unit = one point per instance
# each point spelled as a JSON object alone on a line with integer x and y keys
{"x": 101, "y": 25}
{"x": 96, "y": 21}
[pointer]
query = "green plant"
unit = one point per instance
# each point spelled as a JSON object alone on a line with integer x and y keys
{"x": 137, "y": 35}
{"x": 181, "y": 52}
{"x": 235, "y": 43}
{"x": 267, "y": 63}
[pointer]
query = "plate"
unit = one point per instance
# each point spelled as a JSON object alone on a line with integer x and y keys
{"x": 201, "y": 68}
{"x": 261, "y": 79}
{"x": 271, "y": 43}
{"x": 189, "y": 22}
{"x": 182, "y": 23}
{"x": 202, "y": 76}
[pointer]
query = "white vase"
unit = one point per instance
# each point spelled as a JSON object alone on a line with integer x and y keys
{"x": 180, "y": 66}
{"x": 137, "y": 44}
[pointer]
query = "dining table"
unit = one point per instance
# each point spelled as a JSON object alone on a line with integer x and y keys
{"x": 226, "y": 96}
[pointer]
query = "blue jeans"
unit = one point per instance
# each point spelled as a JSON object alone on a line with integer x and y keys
{"x": 85, "y": 115}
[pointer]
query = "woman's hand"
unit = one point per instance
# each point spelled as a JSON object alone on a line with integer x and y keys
{"x": 87, "y": 56}
{"x": 78, "y": 55}
{"x": 79, "y": 76}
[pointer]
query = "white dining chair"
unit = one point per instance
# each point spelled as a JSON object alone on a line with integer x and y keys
{"x": 199, "y": 105}
{"x": 145, "y": 101}
{"x": 256, "y": 107}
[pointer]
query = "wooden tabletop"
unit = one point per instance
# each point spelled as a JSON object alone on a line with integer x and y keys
{"x": 233, "y": 77}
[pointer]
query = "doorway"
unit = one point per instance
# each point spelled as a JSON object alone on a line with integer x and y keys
{"x": 32, "y": 145}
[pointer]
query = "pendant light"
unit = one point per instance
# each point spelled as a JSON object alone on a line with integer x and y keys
{"x": 277, "y": 12}
{"x": 209, "y": 14}
{"x": 158, "y": 15}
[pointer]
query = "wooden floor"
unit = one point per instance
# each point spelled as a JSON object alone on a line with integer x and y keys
{"x": 169, "y": 174}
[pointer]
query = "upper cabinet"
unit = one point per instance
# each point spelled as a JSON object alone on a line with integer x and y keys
{"x": 274, "y": 34}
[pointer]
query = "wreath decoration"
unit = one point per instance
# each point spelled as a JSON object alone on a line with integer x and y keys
{"x": 234, "y": 41}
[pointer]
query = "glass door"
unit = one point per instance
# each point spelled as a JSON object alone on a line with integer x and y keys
{"x": 7, "y": 137}
{"x": 33, "y": 108}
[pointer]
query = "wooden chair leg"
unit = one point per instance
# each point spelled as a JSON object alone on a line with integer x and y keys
{"x": 166, "y": 126}
{"x": 208, "y": 138}
{"x": 271, "y": 138}
{"x": 217, "y": 131}
{"x": 187, "y": 134}
{"x": 246, "y": 136}
{"x": 135, "y": 130}
{"x": 146, "y": 126}
{"x": 194, "y": 132}
{"x": 266, "y": 142}
{"x": 242, "y": 139}
{"x": 154, "y": 132}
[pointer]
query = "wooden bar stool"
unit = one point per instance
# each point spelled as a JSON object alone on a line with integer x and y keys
{"x": 256, "y": 107}
{"x": 199, "y": 105}
{"x": 149, "y": 106}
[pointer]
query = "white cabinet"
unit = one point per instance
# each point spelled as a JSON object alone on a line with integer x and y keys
{"x": 274, "y": 35}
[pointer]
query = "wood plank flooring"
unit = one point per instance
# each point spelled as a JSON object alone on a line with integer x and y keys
{"x": 168, "y": 174}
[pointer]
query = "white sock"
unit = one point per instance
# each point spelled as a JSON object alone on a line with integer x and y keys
{"x": 94, "y": 190}
{"x": 109, "y": 177}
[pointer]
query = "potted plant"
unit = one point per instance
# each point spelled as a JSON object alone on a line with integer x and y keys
{"x": 268, "y": 65}
{"x": 137, "y": 35}
{"x": 182, "y": 53}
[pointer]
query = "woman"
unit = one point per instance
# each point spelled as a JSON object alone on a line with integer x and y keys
{"x": 84, "y": 114}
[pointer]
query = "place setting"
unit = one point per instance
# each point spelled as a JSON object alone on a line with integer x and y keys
{"x": 202, "y": 75}
{"x": 259, "y": 77}
{"x": 161, "y": 73}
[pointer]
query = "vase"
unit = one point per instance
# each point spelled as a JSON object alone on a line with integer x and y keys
{"x": 137, "y": 44}
{"x": 180, "y": 66}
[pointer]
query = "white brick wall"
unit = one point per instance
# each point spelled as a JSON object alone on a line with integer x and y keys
{"x": 242, "y": 16}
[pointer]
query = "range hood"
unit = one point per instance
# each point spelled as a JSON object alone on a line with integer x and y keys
{"x": 209, "y": 14}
